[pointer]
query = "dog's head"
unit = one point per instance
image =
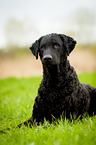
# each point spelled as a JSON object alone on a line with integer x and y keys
{"x": 52, "y": 47}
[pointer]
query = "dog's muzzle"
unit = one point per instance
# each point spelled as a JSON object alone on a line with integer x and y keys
{"x": 47, "y": 59}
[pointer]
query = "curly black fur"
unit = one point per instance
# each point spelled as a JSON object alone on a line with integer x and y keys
{"x": 60, "y": 91}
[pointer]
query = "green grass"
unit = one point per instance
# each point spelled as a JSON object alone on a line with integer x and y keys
{"x": 16, "y": 101}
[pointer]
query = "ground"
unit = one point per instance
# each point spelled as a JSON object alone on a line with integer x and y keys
{"x": 82, "y": 60}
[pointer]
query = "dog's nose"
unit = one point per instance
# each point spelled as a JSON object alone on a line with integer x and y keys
{"x": 47, "y": 58}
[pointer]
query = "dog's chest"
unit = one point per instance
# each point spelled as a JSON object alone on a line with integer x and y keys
{"x": 56, "y": 98}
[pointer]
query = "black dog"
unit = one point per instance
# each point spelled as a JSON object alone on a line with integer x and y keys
{"x": 60, "y": 90}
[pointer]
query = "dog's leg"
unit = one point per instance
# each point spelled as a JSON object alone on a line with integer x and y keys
{"x": 92, "y": 107}
{"x": 28, "y": 122}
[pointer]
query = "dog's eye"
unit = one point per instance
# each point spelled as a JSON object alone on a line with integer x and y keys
{"x": 56, "y": 46}
{"x": 41, "y": 48}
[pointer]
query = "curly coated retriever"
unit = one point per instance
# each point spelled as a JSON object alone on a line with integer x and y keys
{"x": 60, "y": 91}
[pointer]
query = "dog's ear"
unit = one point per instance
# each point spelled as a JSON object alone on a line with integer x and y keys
{"x": 68, "y": 42}
{"x": 35, "y": 47}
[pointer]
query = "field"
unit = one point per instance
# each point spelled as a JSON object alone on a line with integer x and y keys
{"x": 16, "y": 101}
{"x": 21, "y": 62}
